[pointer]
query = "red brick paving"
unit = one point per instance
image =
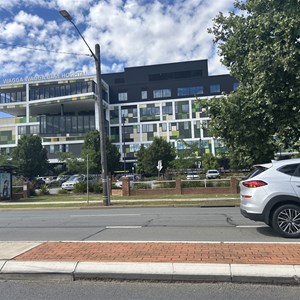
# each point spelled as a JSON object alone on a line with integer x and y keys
{"x": 248, "y": 253}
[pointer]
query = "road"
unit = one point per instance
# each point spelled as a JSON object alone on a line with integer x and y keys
{"x": 133, "y": 224}
{"x": 11, "y": 290}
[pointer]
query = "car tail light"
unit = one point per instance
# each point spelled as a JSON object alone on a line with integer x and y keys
{"x": 254, "y": 183}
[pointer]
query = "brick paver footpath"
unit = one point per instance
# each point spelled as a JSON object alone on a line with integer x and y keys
{"x": 190, "y": 252}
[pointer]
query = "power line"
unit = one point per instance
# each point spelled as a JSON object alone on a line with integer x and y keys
{"x": 44, "y": 50}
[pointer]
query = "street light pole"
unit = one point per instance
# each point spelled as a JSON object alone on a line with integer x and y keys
{"x": 97, "y": 58}
{"x": 124, "y": 145}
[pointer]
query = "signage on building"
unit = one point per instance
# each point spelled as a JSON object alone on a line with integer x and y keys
{"x": 44, "y": 77}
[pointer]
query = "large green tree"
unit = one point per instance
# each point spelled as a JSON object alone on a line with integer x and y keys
{"x": 259, "y": 42}
{"x": 148, "y": 159}
{"x": 30, "y": 157}
{"x": 91, "y": 147}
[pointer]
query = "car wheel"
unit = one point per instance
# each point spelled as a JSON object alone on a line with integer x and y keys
{"x": 286, "y": 221}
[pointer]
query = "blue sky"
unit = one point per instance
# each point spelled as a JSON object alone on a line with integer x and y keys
{"x": 130, "y": 33}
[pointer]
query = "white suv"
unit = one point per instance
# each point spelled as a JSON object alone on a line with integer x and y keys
{"x": 271, "y": 193}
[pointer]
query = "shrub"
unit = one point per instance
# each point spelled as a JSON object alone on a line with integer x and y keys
{"x": 142, "y": 186}
{"x": 192, "y": 183}
{"x": 62, "y": 191}
{"x": 94, "y": 187}
{"x": 44, "y": 190}
{"x": 80, "y": 187}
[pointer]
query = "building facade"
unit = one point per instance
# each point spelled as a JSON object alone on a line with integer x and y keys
{"x": 139, "y": 104}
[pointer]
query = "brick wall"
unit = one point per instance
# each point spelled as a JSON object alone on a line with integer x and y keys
{"x": 178, "y": 190}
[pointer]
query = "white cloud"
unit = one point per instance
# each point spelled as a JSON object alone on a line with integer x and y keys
{"x": 154, "y": 33}
{"x": 12, "y": 31}
{"x": 28, "y": 19}
{"x": 131, "y": 33}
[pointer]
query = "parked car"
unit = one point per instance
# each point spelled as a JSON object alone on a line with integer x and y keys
{"x": 131, "y": 178}
{"x": 192, "y": 175}
{"x": 38, "y": 183}
{"x": 213, "y": 174}
{"x": 69, "y": 184}
{"x": 62, "y": 178}
{"x": 271, "y": 194}
{"x": 50, "y": 179}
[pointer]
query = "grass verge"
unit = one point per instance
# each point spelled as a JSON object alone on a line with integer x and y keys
{"x": 82, "y": 201}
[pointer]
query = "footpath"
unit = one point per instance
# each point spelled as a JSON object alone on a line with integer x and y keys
{"x": 277, "y": 263}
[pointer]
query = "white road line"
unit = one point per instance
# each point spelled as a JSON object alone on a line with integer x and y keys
{"x": 107, "y": 215}
{"x": 251, "y": 226}
{"x": 123, "y": 227}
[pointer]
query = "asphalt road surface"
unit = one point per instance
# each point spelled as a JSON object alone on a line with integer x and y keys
{"x": 133, "y": 224}
{"x": 112, "y": 290}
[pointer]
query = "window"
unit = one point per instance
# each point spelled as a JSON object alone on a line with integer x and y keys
{"x": 147, "y": 128}
{"x": 64, "y": 148}
{"x": 149, "y": 111}
{"x": 289, "y": 169}
{"x": 134, "y": 147}
{"x": 144, "y": 95}
{"x": 164, "y": 127}
{"x": 190, "y": 91}
{"x": 122, "y": 96}
{"x": 52, "y": 149}
{"x": 167, "y": 110}
{"x": 215, "y": 88}
{"x": 235, "y": 86}
{"x": 22, "y": 130}
{"x": 34, "y": 129}
{"x": 164, "y": 93}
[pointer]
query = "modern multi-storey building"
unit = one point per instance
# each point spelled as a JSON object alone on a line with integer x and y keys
{"x": 139, "y": 104}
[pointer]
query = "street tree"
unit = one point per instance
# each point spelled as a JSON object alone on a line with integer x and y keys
{"x": 160, "y": 149}
{"x": 188, "y": 158}
{"x": 209, "y": 162}
{"x": 30, "y": 157}
{"x": 73, "y": 164}
{"x": 5, "y": 160}
{"x": 140, "y": 157}
{"x": 259, "y": 42}
{"x": 91, "y": 147}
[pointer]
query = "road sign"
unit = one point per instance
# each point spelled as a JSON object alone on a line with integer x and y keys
{"x": 159, "y": 165}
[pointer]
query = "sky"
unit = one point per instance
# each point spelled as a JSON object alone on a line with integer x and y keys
{"x": 35, "y": 40}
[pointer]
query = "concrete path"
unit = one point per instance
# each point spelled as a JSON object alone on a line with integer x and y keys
{"x": 171, "y": 261}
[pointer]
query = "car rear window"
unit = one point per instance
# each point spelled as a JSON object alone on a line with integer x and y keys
{"x": 290, "y": 169}
{"x": 258, "y": 170}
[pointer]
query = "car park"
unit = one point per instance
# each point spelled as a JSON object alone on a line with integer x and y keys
{"x": 271, "y": 194}
{"x": 212, "y": 174}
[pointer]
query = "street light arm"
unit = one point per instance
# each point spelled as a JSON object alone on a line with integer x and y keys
{"x": 68, "y": 17}
{"x": 93, "y": 54}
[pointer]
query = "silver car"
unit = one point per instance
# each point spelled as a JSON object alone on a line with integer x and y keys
{"x": 271, "y": 194}
{"x": 69, "y": 184}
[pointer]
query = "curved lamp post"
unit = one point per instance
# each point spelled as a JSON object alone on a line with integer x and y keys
{"x": 96, "y": 56}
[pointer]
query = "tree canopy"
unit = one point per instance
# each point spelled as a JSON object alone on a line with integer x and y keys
{"x": 91, "y": 147}
{"x": 30, "y": 157}
{"x": 147, "y": 158}
{"x": 259, "y": 42}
